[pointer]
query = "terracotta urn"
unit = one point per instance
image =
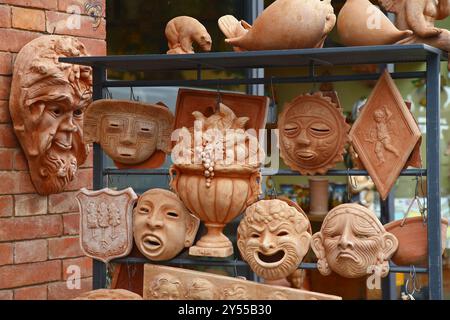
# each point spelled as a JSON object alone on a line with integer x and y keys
{"x": 412, "y": 237}
{"x": 217, "y": 175}
{"x": 285, "y": 24}
{"x": 229, "y": 194}
{"x": 360, "y": 23}
{"x": 318, "y": 196}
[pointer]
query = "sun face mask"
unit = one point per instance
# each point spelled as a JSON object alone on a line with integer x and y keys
{"x": 313, "y": 133}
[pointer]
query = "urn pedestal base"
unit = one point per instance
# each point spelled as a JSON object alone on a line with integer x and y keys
{"x": 213, "y": 244}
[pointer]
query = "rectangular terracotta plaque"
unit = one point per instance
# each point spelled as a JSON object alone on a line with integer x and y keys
{"x": 169, "y": 283}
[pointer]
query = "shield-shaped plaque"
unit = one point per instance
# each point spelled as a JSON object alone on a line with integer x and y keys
{"x": 385, "y": 134}
{"x": 106, "y": 217}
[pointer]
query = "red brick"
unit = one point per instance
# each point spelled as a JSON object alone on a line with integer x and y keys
{"x": 30, "y": 228}
{"x": 7, "y": 136}
{"x": 42, "y": 4}
{"x": 94, "y": 47}
{"x": 28, "y": 19}
{"x": 31, "y": 293}
{"x": 5, "y": 17}
{"x": 64, "y": 5}
{"x": 83, "y": 179}
{"x": 20, "y": 275}
{"x": 6, "y": 206}
{"x": 20, "y": 162}
{"x": 6, "y": 295}
{"x": 6, "y": 159}
{"x": 60, "y": 291}
{"x": 6, "y": 253}
{"x": 30, "y": 205}
{"x": 62, "y": 202}
{"x": 5, "y": 86}
{"x": 64, "y": 248}
{"x": 15, "y": 182}
{"x": 5, "y": 116}
{"x": 71, "y": 223}
{"x": 84, "y": 263}
{"x": 60, "y": 23}
{"x": 30, "y": 251}
{"x": 13, "y": 40}
{"x": 5, "y": 61}
{"x": 89, "y": 163}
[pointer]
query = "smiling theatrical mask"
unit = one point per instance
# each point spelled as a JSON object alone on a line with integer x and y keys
{"x": 353, "y": 243}
{"x": 162, "y": 225}
{"x": 273, "y": 237}
{"x": 313, "y": 133}
{"x": 47, "y": 104}
{"x": 129, "y": 132}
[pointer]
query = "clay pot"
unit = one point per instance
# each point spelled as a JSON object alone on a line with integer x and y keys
{"x": 360, "y": 23}
{"x": 413, "y": 241}
{"x": 319, "y": 196}
{"x": 285, "y": 24}
{"x": 230, "y": 192}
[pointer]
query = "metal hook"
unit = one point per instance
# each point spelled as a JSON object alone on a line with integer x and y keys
{"x": 108, "y": 94}
{"x": 349, "y": 193}
{"x": 132, "y": 96}
{"x": 218, "y": 99}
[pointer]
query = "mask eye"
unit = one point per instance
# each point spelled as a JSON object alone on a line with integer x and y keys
{"x": 282, "y": 233}
{"x": 320, "y": 129}
{"x": 172, "y": 214}
{"x": 114, "y": 125}
{"x": 144, "y": 210}
{"x": 78, "y": 113}
{"x": 255, "y": 235}
{"x": 291, "y": 129}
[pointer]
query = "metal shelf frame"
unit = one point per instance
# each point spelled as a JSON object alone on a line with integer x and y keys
{"x": 309, "y": 58}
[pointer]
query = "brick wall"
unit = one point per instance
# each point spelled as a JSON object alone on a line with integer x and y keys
{"x": 38, "y": 234}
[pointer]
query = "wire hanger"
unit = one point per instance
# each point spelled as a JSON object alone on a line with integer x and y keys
{"x": 132, "y": 96}
{"x": 107, "y": 94}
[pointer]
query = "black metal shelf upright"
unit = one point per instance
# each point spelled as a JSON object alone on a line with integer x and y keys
{"x": 289, "y": 59}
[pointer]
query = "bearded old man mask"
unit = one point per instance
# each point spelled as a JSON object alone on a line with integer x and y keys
{"x": 353, "y": 243}
{"x": 273, "y": 237}
{"x": 47, "y": 102}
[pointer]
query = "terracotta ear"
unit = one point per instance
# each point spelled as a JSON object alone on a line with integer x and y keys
{"x": 390, "y": 245}
{"x": 306, "y": 239}
{"x": 319, "y": 250}
{"x": 192, "y": 224}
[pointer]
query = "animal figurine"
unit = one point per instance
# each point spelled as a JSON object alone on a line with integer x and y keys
{"x": 420, "y": 16}
{"x": 181, "y": 32}
{"x": 360, "y": 23}
{"x": 285, "y": 24}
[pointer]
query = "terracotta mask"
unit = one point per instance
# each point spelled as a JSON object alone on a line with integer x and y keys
{"x": 313, "y": 133}
{"x": 47, "y": 104}
{"x": 162, "y": 225}
{"x": 273, "y": 238}
{"x": 353, "y": 243}
{"x": 129, "y": 132}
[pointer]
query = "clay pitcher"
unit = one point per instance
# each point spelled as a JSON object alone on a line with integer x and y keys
{"x": 285, "y": 24}
{"x": 360, "y": 23}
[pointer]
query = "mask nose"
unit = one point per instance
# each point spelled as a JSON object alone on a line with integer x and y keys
{"x": 302, "y": 138}
{"x": 128, "y": 137}
{"x": 268, "y": 241}
{"x": 67, "y": 124}
{"x": 154, "y": 221}
{"x": 346, "y": 242}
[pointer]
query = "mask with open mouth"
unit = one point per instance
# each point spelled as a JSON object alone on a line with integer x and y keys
{"x": 313, "y": 133}
{"x": 353, "y": 243}
{"x": 273, "y": 237}
{"x": 163, "y": 226}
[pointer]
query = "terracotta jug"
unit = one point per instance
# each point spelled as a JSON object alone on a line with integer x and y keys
{"x": 360, "y": 23}
{"x": 285, "y": 24}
